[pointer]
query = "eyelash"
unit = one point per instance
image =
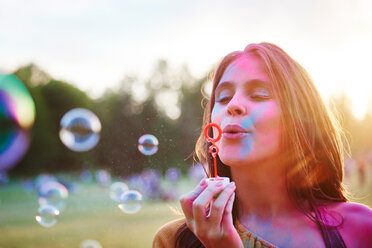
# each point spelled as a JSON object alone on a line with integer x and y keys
{"x": 260, "y": 97}
{"x": 255, "y": 97}
{"x": 223, "y": 99}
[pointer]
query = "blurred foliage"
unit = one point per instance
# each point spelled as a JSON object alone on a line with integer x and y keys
{"x": 125, "y": 114}
{"x": 137, "y": 107}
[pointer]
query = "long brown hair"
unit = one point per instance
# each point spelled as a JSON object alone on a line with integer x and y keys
{"x": 311, "y": 135}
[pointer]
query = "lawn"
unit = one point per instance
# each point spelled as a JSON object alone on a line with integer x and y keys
{"x": 91, "y": 214}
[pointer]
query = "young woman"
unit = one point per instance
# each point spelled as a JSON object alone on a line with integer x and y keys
{"x": 283, "y": 153}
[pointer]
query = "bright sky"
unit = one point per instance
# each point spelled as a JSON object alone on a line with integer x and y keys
{"x": 94, "y": 43}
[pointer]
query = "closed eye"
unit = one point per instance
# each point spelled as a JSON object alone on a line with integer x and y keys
{"x": 260, "y": 97}
{"x": 260, "y": 94}
{"x": 223, "y": 100}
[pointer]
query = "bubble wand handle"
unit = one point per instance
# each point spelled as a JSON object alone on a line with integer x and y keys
{"x": 213, "y": 149}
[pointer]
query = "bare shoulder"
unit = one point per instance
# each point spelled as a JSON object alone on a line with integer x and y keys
{"x": 353, "y": 212}
{"x": 166, "y": 234}
{"x": 357, "y": 222}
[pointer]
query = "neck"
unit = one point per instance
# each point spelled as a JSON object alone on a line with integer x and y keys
{"x": 261, "y": 190}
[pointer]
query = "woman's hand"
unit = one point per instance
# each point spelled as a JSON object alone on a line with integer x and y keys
{"x": 216, "y": 228}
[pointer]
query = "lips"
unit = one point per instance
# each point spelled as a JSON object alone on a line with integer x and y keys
{"x": 234, "y": 131}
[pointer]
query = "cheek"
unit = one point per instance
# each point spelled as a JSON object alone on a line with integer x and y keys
{"x": 216, "y": 112}
{"x": 216, "y": 117}
{"x": 269, "y": 126}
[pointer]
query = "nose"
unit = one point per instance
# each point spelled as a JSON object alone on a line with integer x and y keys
{"x": 236, "y": 106}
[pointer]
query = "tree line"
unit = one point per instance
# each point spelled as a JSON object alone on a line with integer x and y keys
{"x": 169, "y": 106}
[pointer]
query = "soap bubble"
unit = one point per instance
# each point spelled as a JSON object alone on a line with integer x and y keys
{"x": 17, "y": 115}
{"x": 47, "y": 215}
{"x": 148, "y": 144}
{"x": 103, "y": 177}
{"x": 80, "y": 130}
{"x": 117, "y": 189}
{"x": 90, "y": 243}
{"x": 53, "y": 193}
{"x": 130, "y": 202}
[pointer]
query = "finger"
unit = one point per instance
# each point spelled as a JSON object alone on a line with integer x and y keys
{"x": 200, "y": 203}
{"x": 187, "y": 199}
{"x": 196, "y": 191}
{"x": 220, "y": 204}
{"x": 227, "y": 219}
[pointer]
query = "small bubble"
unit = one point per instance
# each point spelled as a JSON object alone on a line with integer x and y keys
{"x": 148, "y": 144}
{"x": 47, "y": 215}
{"x": 90, "y": 243}
{"x": 116, "y": 190}
{"x": 53, "y": 193}
{"x": 130, "y": 202}
{"x": 80, "y": 130}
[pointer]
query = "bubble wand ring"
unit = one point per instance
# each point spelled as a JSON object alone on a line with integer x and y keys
{"x": 210, "y": 139}
{"x": 213, "y": 149}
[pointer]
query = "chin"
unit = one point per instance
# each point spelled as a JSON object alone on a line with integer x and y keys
{"x": 233, "y": 161}
{"x": 232, "y": 156}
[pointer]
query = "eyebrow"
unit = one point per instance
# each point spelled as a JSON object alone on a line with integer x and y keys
{"x": 252, "y": 83}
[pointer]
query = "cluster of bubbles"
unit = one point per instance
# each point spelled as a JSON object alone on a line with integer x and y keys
{"x": 52, "y": 197}
{"x": 129, "y": 201}
{"x": 79, "y": 131}
{"x": 128, "y": 194}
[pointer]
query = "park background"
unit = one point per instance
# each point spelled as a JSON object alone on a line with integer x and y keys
{"x": 147, "y": 73}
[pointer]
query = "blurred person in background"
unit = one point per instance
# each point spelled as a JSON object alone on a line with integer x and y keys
{"x": 361, "y": 165}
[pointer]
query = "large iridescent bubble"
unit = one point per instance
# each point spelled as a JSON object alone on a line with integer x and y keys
{"x": 17, "y": 115}
{"x": 80, "y": 130}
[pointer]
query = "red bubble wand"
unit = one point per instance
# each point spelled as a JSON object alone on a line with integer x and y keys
{"x": 213, "y": 149}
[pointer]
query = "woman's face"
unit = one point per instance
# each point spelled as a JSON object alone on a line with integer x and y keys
{"x": 247, "y": 112}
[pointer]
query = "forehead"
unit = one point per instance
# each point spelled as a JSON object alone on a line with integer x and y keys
{"x": 245, "y": 68}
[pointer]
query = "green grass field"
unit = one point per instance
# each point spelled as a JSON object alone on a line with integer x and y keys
{"x": 91, "y": 214}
